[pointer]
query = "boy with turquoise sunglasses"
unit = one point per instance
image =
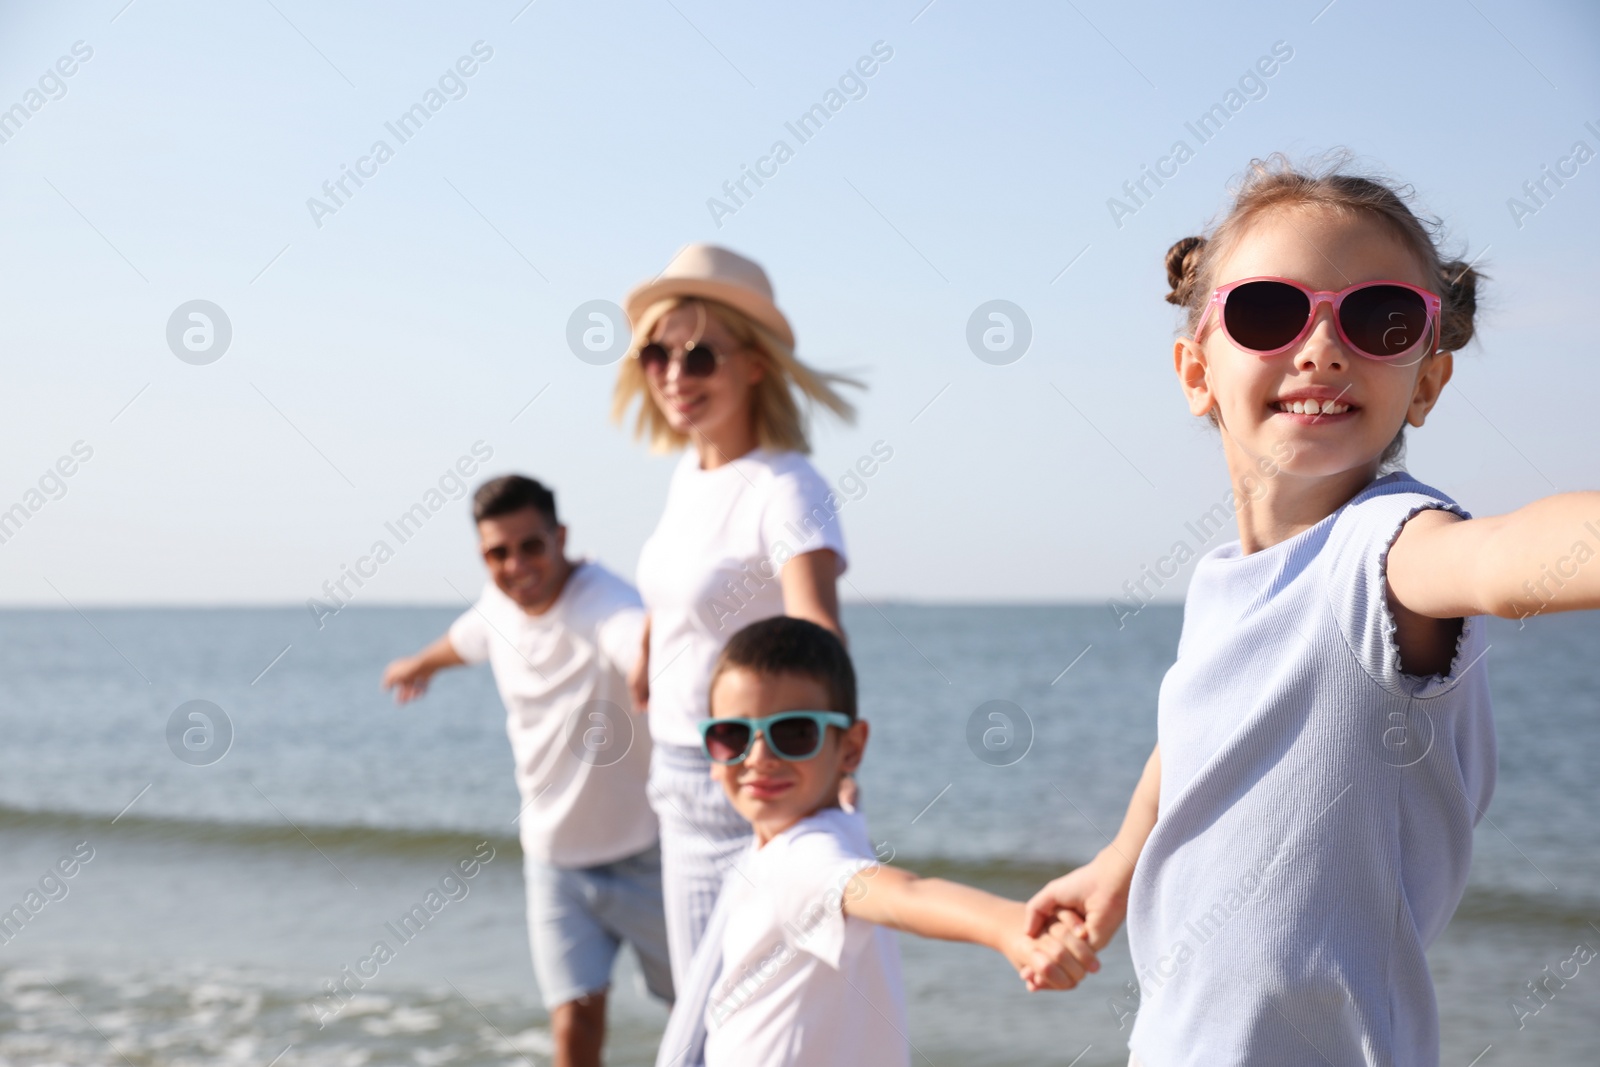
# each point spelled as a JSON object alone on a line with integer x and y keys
{"x": 798, "y": 965}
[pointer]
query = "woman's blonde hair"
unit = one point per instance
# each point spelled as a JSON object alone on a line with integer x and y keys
{"x": 780, "y": 423}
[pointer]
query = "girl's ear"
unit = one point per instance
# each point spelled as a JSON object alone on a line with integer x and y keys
{"x": 1430, "y": 383}
{"x": 1189, "y": 360}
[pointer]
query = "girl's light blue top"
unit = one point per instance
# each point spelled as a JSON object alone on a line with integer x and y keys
{"x": 1317, "y": 806}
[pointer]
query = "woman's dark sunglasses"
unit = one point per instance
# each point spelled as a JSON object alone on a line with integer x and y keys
{"x": 699, "y": 360}
{"x": 791, "y": 735}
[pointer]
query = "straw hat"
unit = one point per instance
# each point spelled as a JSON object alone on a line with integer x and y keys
{"x": 716, "y": 274}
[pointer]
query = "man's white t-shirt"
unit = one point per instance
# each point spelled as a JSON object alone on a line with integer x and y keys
{"x": 803, "y": 984}
{"x": 582, "y": 757}
{"x": 712, "y": 568}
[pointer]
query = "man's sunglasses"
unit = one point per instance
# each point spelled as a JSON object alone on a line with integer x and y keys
{"x": 791, "y": 735}
{"x": 535, "y": 546}
{"x": 698, "y": 360}
{"x": 1381, "y": 320}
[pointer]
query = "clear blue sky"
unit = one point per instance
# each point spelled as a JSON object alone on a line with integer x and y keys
{"x": 371, "y": 352}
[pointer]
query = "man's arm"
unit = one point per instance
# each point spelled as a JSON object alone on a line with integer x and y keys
{"x": 949, "y": 911}
{"x": 1098, "y": 891}
{"x": 409, "y": 675}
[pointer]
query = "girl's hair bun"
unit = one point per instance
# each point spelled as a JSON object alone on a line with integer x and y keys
{"x": 1183, "y": 268}
{"x": 1460, "y": 299}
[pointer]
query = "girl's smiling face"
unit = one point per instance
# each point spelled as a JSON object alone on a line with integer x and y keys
{"x": 1252, "y": 395}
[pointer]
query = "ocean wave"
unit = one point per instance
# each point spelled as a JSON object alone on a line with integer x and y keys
{"x": 351, "y": 837}
{"x": 189, "y": 1014}
{"x": 1014, "y": 877}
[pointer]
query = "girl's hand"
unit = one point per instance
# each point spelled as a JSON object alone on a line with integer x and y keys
{"x": 1097, "y": 892}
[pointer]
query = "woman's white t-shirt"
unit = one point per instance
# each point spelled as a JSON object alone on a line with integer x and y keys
{"x": 712, "y": 568}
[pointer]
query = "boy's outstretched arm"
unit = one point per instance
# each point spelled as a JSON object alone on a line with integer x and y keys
{"x": 1098, "y": 891}
{"x": 1540, "y": 558}
{"x": 949, "y": 911}
{"x": 409, "y": 675}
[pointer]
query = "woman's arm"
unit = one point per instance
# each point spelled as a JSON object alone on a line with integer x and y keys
{"x": 811, "y": 588}
{"x": 949, "y": 911}
{"x": 1536, "y": 559}
{"x": 409, "y": 676}
{"x": 811, "y": 592}
{"x": 639, "y": 673}
{"x": 1098, "y": 891}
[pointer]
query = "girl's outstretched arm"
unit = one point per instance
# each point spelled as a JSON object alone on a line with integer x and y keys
{"x": 1093, "y": 899}
{"x": 1540, "y": 558}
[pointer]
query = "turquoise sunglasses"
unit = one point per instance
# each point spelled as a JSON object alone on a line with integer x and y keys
{"x": 791, "y": 735}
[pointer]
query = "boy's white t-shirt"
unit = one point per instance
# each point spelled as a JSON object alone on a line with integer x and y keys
{"x": 803, "y": 984}
{"x": 712, "y": 568}
{"x": 582, "y": 757}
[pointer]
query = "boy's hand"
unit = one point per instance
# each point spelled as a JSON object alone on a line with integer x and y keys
{"x": 1097, "y": 891}
{"x": 408, "y": 677}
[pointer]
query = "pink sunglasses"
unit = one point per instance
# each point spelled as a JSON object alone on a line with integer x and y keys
{"x": 1382, "y": 320}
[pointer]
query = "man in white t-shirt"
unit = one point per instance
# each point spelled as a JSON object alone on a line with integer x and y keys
{"x": 560, "y": 636}
{"x": 799, "y": 967}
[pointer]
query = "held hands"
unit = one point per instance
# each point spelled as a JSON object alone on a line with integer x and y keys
{"x": 408, "y": 677}
{"x": 1091, "y": 901}
{"x": 1069, "y": 920}
{"x": 1058, "y": 958}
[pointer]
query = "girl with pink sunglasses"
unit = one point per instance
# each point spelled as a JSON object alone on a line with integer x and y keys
{"x": 1303, "y": 830}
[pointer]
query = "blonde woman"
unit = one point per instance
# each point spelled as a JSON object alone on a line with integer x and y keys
{"x": 750, "y": 531}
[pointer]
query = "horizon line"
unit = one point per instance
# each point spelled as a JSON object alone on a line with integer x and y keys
{"x": 244, "y": 605}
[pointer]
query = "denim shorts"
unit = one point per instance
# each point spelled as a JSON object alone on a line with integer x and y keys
{"x": 578, "y": 918}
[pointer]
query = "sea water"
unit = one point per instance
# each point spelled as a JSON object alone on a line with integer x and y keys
{"x": 223, "y": 898}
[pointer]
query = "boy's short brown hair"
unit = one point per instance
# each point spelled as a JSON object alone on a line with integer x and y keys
{"x": 784, "y": 645}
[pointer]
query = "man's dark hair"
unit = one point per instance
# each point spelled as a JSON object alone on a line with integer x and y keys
{"x": 783, "y": 645}
{"x": 512, "y": 492}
